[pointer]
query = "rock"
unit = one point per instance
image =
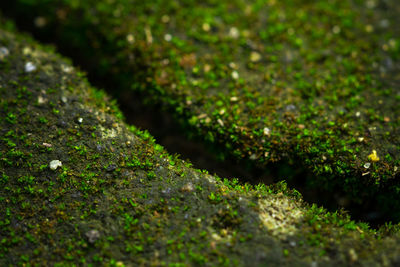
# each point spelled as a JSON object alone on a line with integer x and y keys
{"x": 3, "y": 52}
{"x": 277, "y": 73}
{"x": 54, "y": 164}
{"x": 181, "y": 216}
{"x": 29, "y": 67}
{"x": 92, "y": 235}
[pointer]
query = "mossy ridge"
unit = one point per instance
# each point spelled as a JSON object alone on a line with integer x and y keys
{"x": 120, "y": 199}
{"x": 253, "y": 75}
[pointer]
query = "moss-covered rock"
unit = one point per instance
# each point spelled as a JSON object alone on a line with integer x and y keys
{"x": 313, "y": 81}
{"x": 80, "y": 187}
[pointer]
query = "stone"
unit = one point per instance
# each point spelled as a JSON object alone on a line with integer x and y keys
{"x": 93, "y": 235}
{"x": 54, "y": 164}
{"x": 29, "y": 67}
{"x": 83, "y": 214}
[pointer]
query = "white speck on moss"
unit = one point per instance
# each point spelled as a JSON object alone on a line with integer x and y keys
{"x": 336, "y": 29}
{"x": 235, "y": 75}
{"x": 29, "y": 67}
{"x": 41, "y": 100}
{"x": 168, "y": 37}
{"x": 47, "y": 145}
{"x": 3, "y": 52}
{"x": 267, "y": 131}
{"x": 130, "y": 38}
{"x": 206, "y": 27}
{"x": 234, "y": 33}
{"x": 92, "y": 235}
{"x": 255, "y": 56}
{"x": 54, "y": 164}
{"x": 66, "y": 68}
{"x": 80, "y": 120}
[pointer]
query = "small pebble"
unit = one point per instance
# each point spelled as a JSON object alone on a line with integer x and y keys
{"x": 130, "y": 38}
{"x": 235, "y": 75}
{"x": 41, "y": 100}
{"x": 255, "y": 56}
{"x": 253, "y": 157}
{"x": 93, "y": 235}
{"x": 206, "y": 27}
{"x": 47, "y": 145}
{"x": 54, "y": 164}
{"x": 336, "y": 29}
{"x": 168, "y": 37}
{"x": 234, "y": 33}
{"x": 66, "y": 68}
{"x": 3, "y": 52}
{"x": 233, "y": 65}
{"x": 29, "y": 67}
{"x": 207, "y": 68}
{"x": 290, "y": 107}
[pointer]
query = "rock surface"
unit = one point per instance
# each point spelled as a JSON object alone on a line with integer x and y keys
{"x": 119, "y": 199}
{"x": 315, "y": 82}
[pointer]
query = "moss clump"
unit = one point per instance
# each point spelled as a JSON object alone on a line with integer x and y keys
{"x": 79, "y": 187}
{"x": 315, "y": 81}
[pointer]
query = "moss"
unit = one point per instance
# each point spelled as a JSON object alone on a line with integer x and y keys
{"x": 122, "y": 200}
{"x": 268, "y": 80}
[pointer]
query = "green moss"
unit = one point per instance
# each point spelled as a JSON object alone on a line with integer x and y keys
{"x": 121, "y": 199}
{"x": 268, "y": 80}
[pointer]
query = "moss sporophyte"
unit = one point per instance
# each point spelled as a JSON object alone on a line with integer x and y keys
{"x": 120, "y": 199}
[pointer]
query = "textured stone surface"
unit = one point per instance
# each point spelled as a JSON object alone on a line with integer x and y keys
{"x": 309, "y": 81}
{"x": 119, "y": 199}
